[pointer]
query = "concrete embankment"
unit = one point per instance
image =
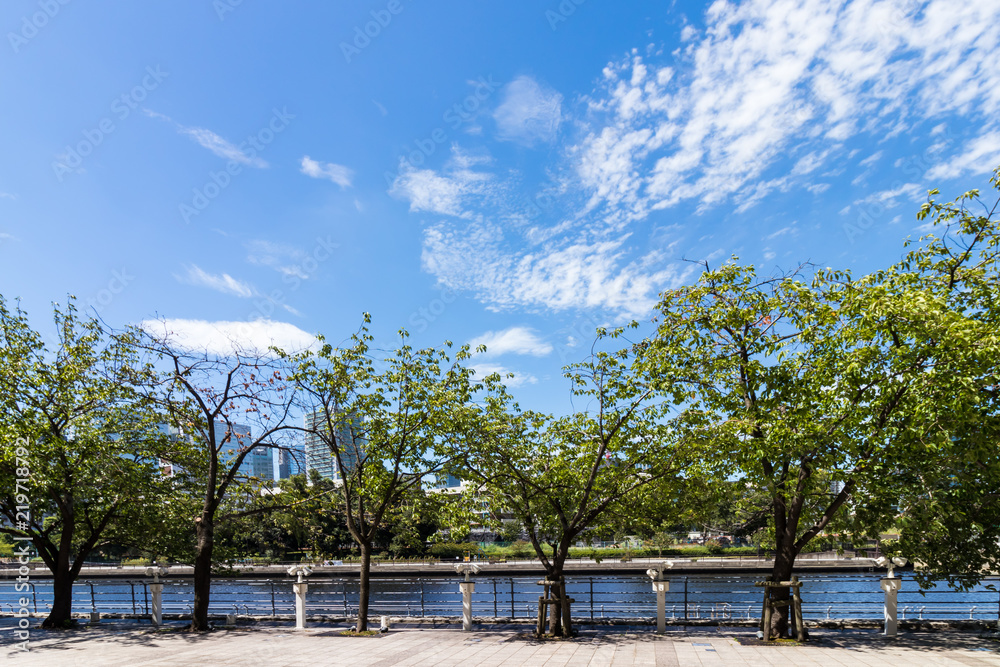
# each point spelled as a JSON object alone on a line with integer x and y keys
{"x": 681, "y": 566}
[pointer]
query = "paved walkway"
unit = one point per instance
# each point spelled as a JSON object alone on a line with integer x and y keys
{"x": 284, "y": 647}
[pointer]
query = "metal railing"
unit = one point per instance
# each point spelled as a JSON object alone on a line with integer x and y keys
{"x": 597, "y": 597}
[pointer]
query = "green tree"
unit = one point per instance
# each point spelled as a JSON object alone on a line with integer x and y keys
{"x": 387, "y": 422}
{"x": 562, "y": 477}
{"x": 823, "y": 393}
{"x": 221, "y": 409}
{"x": 80, "y": 444}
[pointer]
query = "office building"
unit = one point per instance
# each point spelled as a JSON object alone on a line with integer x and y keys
{"x": 319, "y": 456}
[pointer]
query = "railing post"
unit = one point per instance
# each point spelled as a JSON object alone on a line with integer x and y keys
{"x": 34, "y": 596}
{"x": 495, "y": 611}
{"x": 512, "y": 612}
{"x": 132, "y": 586}
{"x": 422, "y": 611}
{"x": 685, "y": 598}
{"x": 274, "y": 609}
{"x": 95, "y": 616}
{"x": 591, "y": 598}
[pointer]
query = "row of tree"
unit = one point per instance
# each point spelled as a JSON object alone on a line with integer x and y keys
{"x": 848, "y": 404}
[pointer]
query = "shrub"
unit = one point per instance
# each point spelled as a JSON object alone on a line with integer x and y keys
{"x": 450, "y": 550}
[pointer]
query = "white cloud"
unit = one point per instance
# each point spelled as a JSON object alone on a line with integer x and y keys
{"x": 428, "y": 191}
{"x": 766, "y": 77}
{"x": 213, "y": 142}
{"x": 519, "y": 379}
{"x": 7, "y": 195}
{"x": 515, "y": 340}
{"x": 447, "y": 192}
{"x": 981, "y": 156}
{"x": 889, "y": 198}
{"x": 222, "y": 148}
{"x": 561, "y": 274}
{"x": 224, "y": 283}
{"x": 780, "y": 232}
{"x": 335, "y": 173}
{"x": 226, "y": 338}
{"x": 529, "y": 113}
{"x": 289, "y": 260}
{"x": 763, "y": 99}
{"x": 871, "y": 159}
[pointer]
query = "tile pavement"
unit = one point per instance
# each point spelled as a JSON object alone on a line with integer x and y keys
{"x": 128, "y": 646}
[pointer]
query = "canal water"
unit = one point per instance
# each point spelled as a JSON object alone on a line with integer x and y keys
{"x": 834, "y": 596}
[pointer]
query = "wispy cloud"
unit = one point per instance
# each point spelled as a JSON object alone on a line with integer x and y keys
{"x": 889, "y": 198}
{"x": 281, "y": 257}
{"x": 226, "y": 338}
{"x": 213, "y": 142}
{"x": 335, "y": 173}
{"x": 529, "y": 113}
{"x": 447, "y": 192}
{"x": 980, "y": 156}
{"x": 7, "y": 195}
{"x": 519, "y": 379}
{"x": 558, "y": 275}
{"x": 769, "y": 79}
{"x": 515, "y": 340}
{"x": 224, "y": 282}
{"x": 766, "y": 98}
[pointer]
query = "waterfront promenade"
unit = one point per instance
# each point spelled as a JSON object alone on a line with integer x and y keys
{"x": 126, "y": 646}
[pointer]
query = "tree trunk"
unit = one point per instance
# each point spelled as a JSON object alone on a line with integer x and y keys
{"x": 784, "y": 561}
{"x": 364, "y": 588}
{"x": 62, "y": 594}
{"x": 205, "y": 530}
{"x": 561, "y": 625}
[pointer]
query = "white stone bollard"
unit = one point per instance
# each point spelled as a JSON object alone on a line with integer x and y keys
{"x": 467, "y": 588}
{"x": 156, "y": 603}
{"x": 300, "y": 604}
{"x": 156, "y": 593}
{"x": 300, "y": 588}
{"x": 660, "y": 587}
{"x": 891, "y": 586}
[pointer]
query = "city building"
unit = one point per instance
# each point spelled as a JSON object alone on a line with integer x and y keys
{"x": 258, "y": 464}
{"x": 290, "y": 461}
{"x": 318, "y": 455}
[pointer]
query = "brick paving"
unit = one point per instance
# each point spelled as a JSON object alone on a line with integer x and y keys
{"x": 128, "y": 646}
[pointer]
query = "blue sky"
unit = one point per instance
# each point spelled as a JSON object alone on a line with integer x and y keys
{"x": 511, "y": 173}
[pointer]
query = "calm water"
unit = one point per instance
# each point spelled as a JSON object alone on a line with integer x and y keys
{"x": 826, "y": 595}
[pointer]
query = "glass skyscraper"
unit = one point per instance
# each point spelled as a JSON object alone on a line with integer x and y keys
{"x": 319, "y": 457}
